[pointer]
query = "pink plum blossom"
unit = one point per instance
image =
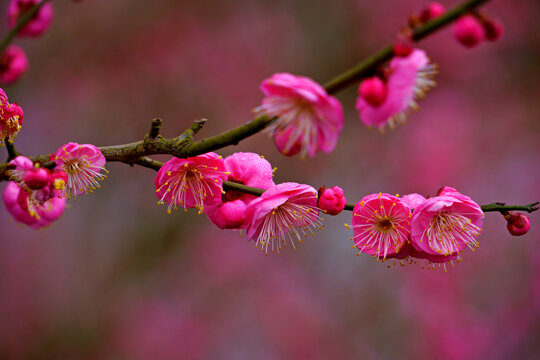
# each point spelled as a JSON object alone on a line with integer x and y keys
{"x": 11, "y": 118}
{"x": 33, "y": 208}
{"x": 38, "y": 24}
{"x": 13, "y": 64}
{"x": 191, "y": 183}
{"x": 468, "y": 31}
{"x": 307, "y": 117}
{"x": 446, "y": 224}
{"x": 332, "y": 201}
{"x": 380, "y": 224}
{"x": 408, "y": 79}
{"x": 282, "y": 215}
{"x": 243, "y": 168}
{"x": 83, "y": 164}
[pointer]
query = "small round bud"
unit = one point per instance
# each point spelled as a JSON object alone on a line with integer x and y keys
{"x": 403, "y": 47}
{"x": 332, "y": 200}
{"x": 518, "y": 223}
{"x": 469, "y": 31}
{"x": 36, "y": 178}
{"x": 494, "y": 29}
{"x": 432, "y": 11}
{"x": 373, "y": 91}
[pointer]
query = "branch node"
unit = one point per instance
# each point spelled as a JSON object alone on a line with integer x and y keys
{"x": 154, "y": 129}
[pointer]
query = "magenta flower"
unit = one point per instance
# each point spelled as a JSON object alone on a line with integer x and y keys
{"x": 82, "y": 164}
{"x": 282, "y": 215}
{"x": 243, "y": 168}
{"x": 34, "y": 208}
{"x": 308, "y": 119}
{"x": 446, "y": 224}
{"x": 380, "y": 224}
{"x": 11, "y": 118}
{"x": 13, "y": 64}
{"x": 191, "y": 183}
{"x": 408, "y": 79}
{"x": 39, "y": 23}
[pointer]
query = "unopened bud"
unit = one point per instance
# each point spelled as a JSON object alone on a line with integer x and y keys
{"x": 518, "y": 223}
{"x": 469, "y": 31}
{"x": 432, "y": 11}
{"x": 373, "y": 91}
{"x": 332, "y": 201}
{"x": 36, "y": 178}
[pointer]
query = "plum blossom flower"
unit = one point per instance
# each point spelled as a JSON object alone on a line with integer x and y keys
{"x": 409, "y": 254}
{"x": 243, "y": 168}
{"x": 83, "y": 164}
{"x": 408, "y": 79}
{"x": 35, "y": 208}
{"x": 282, "y": 215}
{"x": 13, "y": 64}
{"x": 11, "y": 118}
{"x": 446, "y": 224}
{"x": 38, "y": 24}
{"x": 308, "y": 119}
{"x": 191, "y": 183}
{"x": 380, "y": 224}
{"x": 35, "y": 195}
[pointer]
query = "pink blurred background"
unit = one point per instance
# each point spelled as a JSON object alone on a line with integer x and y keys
{"x": 118, "y": 278}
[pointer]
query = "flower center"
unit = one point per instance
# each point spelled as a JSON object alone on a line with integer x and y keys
{"x": 74, "y": 166}
{"x": 384, "y": 223}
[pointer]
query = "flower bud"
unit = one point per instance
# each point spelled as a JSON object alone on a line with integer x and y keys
{"x": 373, "y": 91}
{"x": 36, "y": 178}
{"x": 431, "y": 11}
{"x": 332, "y": 201}
{"x": 518, "y": 223}
{"x": 403, "y": 47}
{"x": 469, "y": 31}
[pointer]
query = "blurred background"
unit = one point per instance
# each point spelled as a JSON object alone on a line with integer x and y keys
{"x": 118, "y": 278}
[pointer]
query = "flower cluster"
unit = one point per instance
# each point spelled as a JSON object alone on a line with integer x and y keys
{"x": 11, "y": 118}
{"x": 437, "y": 229}
{"x": 35, "y": 194}
{"x": 13, "y": 60}
{"x": 38, "y": 24}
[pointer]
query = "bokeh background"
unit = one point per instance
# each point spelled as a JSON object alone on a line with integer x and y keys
{"x": 118, "y": 278}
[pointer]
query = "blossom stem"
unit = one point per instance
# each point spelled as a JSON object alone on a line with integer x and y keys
{"x": 23, "y": 20}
